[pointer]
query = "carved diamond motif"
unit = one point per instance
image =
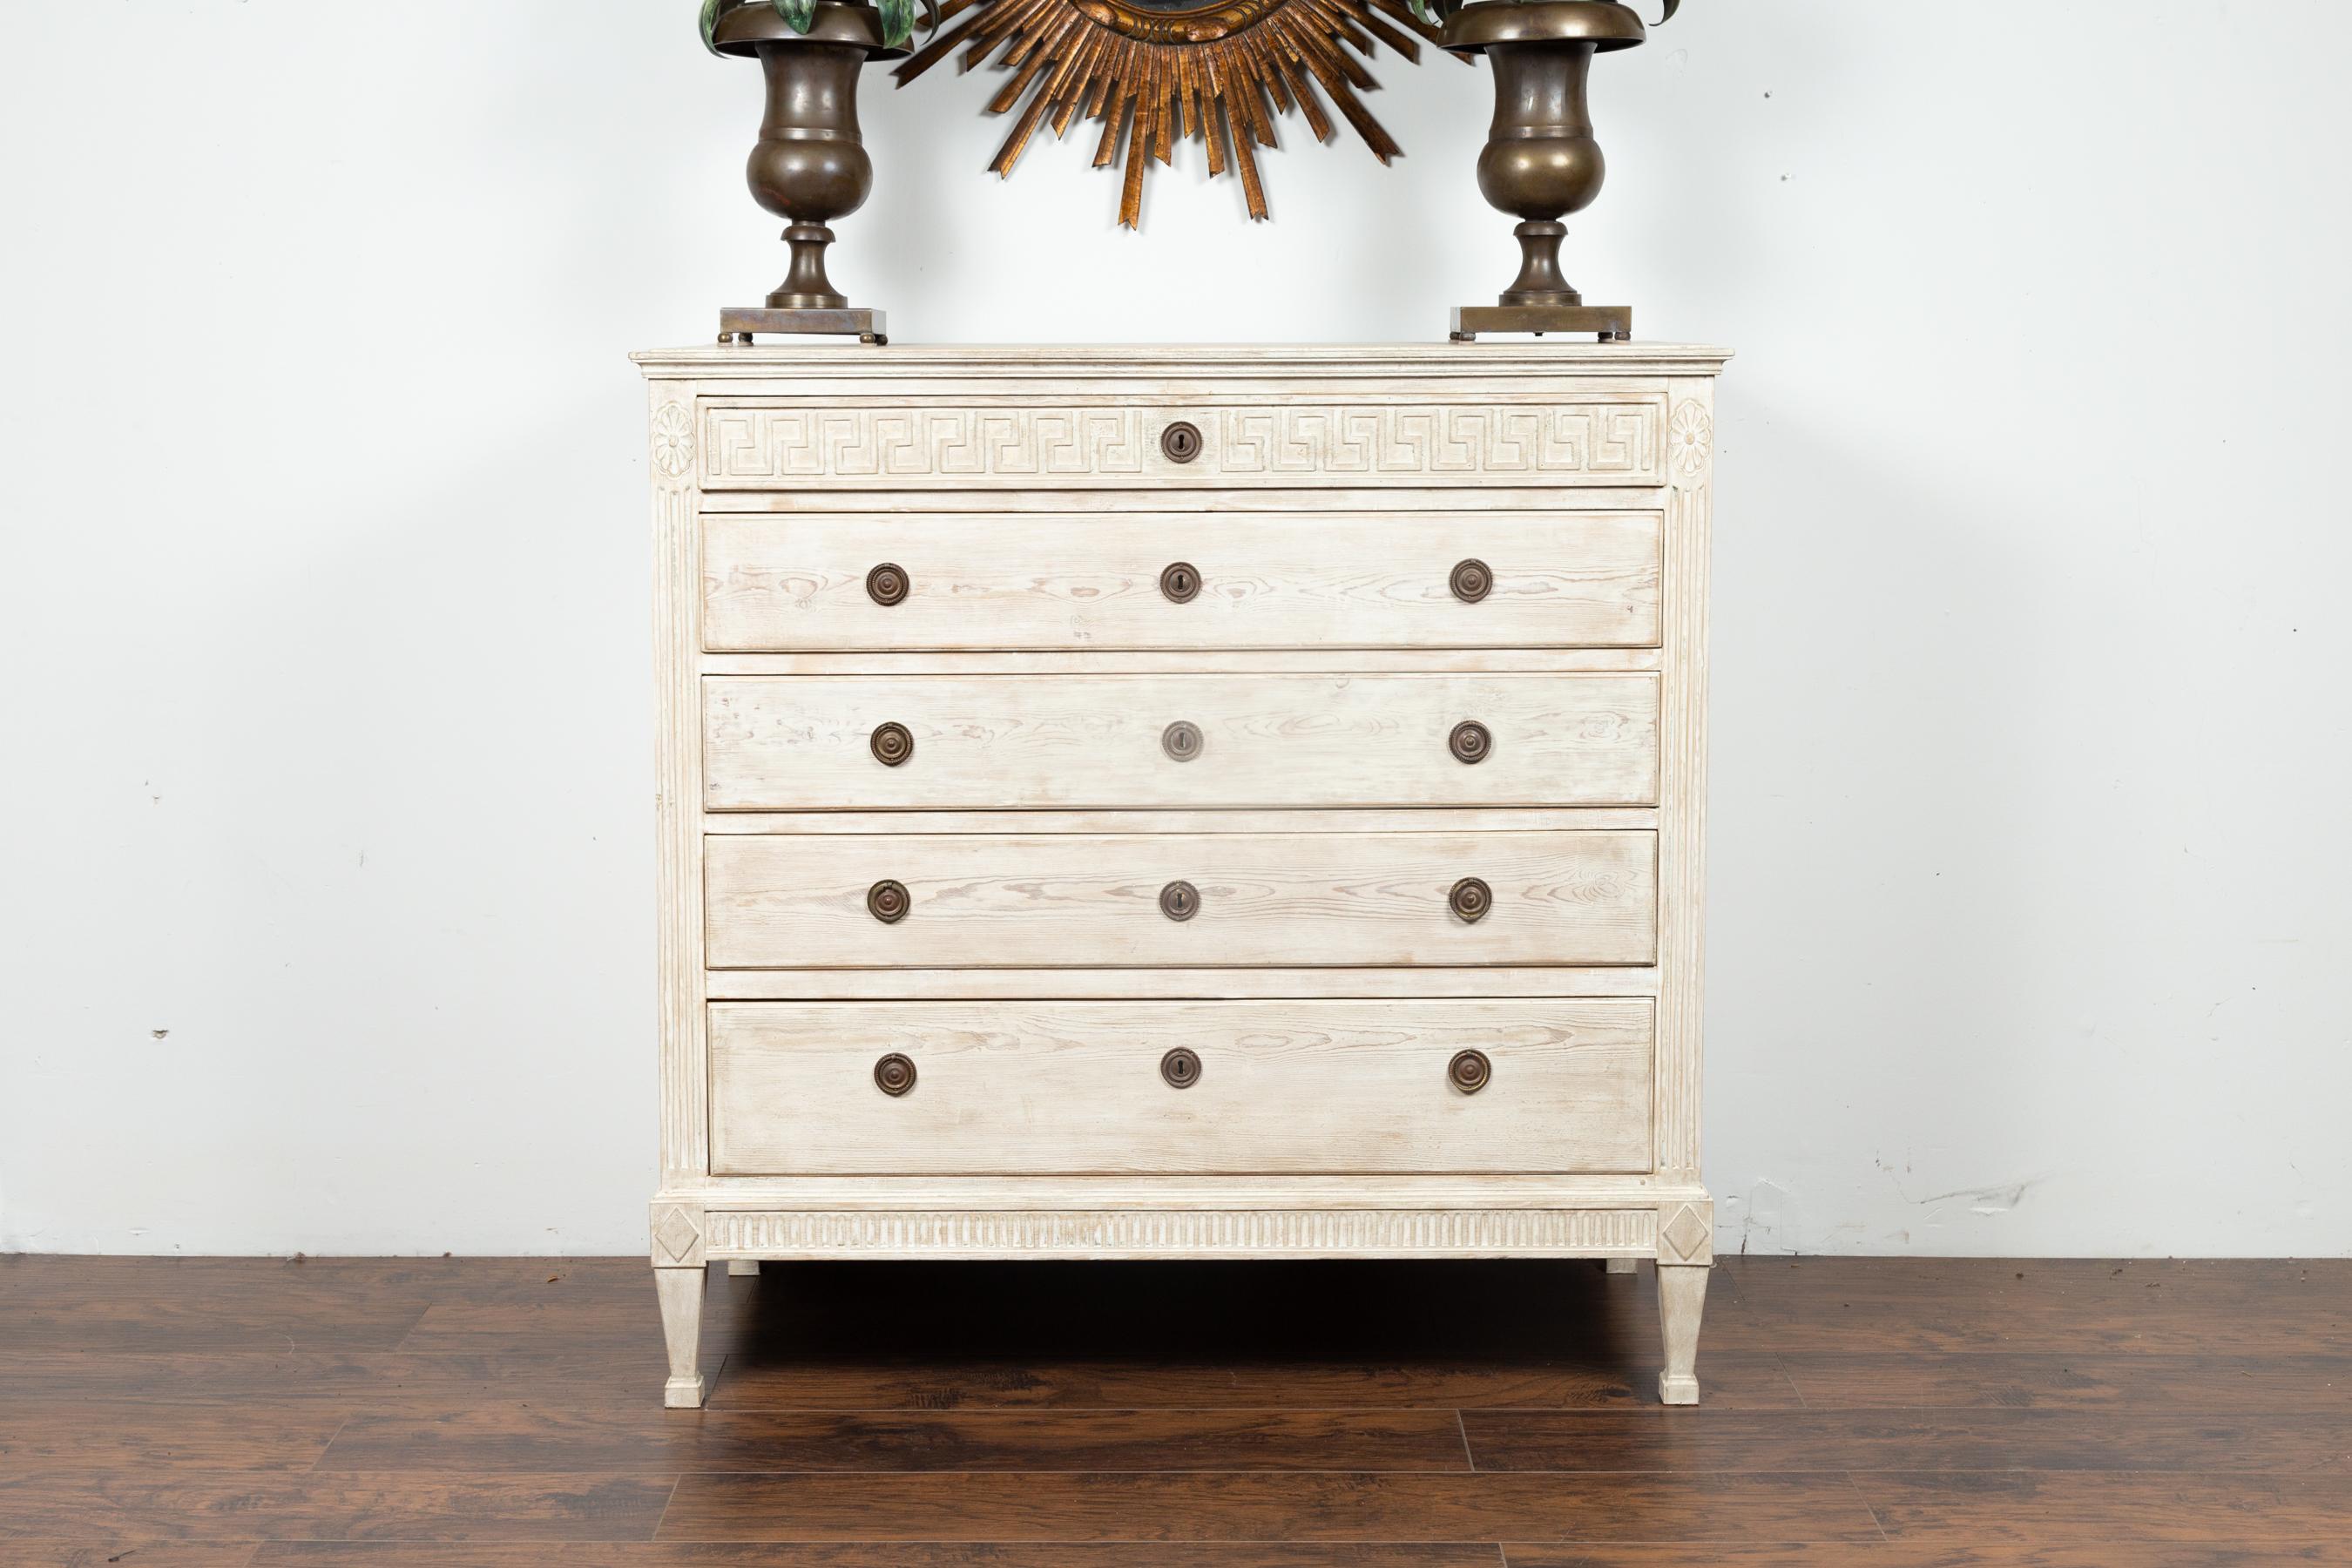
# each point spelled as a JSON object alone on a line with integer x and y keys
{"x": 676, "y": 1235}
{"x": 1687, "y": 1235}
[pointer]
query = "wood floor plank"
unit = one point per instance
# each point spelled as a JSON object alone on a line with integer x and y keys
{"x": 1886, "y": 1305}
{"x": 899, "y": 1554}
{"x": 1754, "y": 1441}
{"x": 2025, "y": 1511}
{"x": 21, "y": 1552}
{"x": 1904, "y": 1554}
{"x": 64, "y": 1432}
{"x": 2279, "y": 1385}
{"x": 1292, "y": 1508}
{"x": 1705, "y": 1554}
{"x": 770, "y": 1376}
{"x": 176, "y": 1323}
{"x": 196, "y": 1506}
{"x": 385, "y": 1381}
{"x": 515, "y": 1437}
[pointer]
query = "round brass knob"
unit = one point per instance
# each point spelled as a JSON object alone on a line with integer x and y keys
{"x": 1180, "y": 442}
{"x": 1472, "y": 581}
{"x": 1180, "y": 1067}
{"x": 888, "y": 901}
{"x": 894, "y": 1075}
{"x": 1469, "y": 1071}
{"x": 887, "y": 584}
{"x": 1470, "y": 899}
{"x": 1471, "y": 743}
{"x": 1179, "y": 900}
{"x": 1182, "y": 740}
{"x": 1180, "y": 584}
{"x": 891, "y": 745}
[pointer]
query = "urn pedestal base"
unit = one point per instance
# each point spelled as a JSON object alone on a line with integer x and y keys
{"x": 738, "y": 323}
{"x": 1614, "y": 323}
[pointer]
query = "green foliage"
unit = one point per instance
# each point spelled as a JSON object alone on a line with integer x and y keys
{"x": 800, "y": 15}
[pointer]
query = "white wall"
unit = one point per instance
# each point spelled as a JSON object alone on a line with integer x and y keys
{"x": 328, "y": 877}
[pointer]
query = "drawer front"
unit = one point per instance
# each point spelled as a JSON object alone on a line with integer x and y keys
{"x": 1069, "y": 901}
{"x": 1291, "y": 1087}
{"x": 788, "y": 743}
{"x": 1596, "y": 437}
{"x": 1461, "y": 581}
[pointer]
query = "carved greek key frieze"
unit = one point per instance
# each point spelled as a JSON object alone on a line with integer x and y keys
{"x": 1193, "y": 1233}
{"x": 1593, "y": 442}
{"x": 1616, "y": 440}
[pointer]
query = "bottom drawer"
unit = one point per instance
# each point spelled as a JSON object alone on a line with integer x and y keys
{"x": 1050, "y": 1087}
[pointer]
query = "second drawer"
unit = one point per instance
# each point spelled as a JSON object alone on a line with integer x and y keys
{"x": 797, "y": 743}
{"x": 1180, "y": 900}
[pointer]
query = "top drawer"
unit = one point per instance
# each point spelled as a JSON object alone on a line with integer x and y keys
{"x": 1434, "y": 579}
{"x": 1600, "y": 437}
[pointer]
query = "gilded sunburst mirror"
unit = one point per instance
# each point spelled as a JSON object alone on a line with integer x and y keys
{"x": 1152, "y": 71}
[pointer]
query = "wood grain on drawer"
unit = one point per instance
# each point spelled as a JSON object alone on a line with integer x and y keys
{"x": 1557, "y": 580}
{"x": 1071, "y": 900}
{"x": 1294, "y": 1087}
{"x": 1598, "y": 437}
{"x": 788, "y": 743}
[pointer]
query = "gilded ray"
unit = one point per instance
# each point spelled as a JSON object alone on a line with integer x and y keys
{"x": 1155, "y": 77}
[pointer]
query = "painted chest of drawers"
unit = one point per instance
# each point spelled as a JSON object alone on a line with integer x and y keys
{"x": 1182, "y": 803}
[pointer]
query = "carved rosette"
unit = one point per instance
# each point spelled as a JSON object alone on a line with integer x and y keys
{"x": 1691, "y": 444}
{"x": 673, "y": 439}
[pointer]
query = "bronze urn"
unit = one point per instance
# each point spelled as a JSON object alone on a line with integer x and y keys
{"x": 810, "y": 166}
{"x": 1540, "y": 161}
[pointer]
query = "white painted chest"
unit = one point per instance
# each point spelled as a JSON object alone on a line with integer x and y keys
{"x": 1182, "y": 802}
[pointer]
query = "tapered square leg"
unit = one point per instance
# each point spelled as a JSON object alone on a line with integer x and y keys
{"x": 1621, "y": 1264}
{"x": 1681, "y": 1298}
{"x": 681, "y": 1311}
{"x": 742, "y": 1268}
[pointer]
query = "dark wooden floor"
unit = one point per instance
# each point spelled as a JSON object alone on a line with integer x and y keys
{"x": 1441, "y": 1415}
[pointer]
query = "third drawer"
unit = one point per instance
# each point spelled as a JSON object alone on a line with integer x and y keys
{"x": 1542, "y": 898}
{"x": 1028, "y": 1087}
{"x": 798, "y": 742}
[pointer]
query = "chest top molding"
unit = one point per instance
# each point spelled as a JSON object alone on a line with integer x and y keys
{"x": 782, "y": 369}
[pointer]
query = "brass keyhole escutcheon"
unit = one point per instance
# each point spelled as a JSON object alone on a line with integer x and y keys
{"x": 1180, "y": 1067}
{"x": 887, "y": 584}
{"x": 1179, "y": 900}
{"x": 892, "y": 745}
{"x": 1469, "y": 1071}
{"x": 1472, "y": 581}
{"x": 1471, "y": 743}
{"x": 1470, "y": 901}
{"x": 888, "y": 901}
{"x": 1182, "y": 740}
{"x": 894, "y": 1075}
{"x": 1180, "y": 582}
{"x": 1180, "y": 442}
